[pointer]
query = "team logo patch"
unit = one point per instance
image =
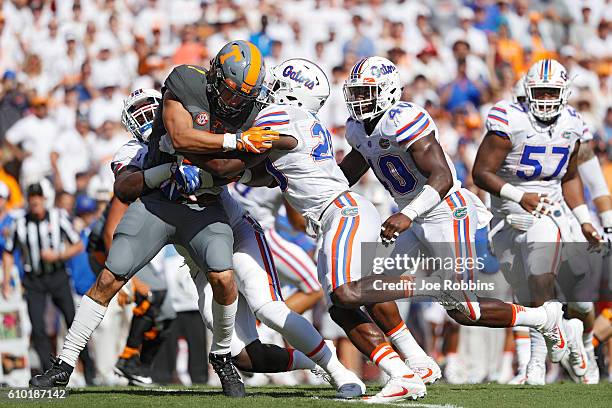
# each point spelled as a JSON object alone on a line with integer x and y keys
{"x": 460, "y": 213}
{"x": 384, "y": 143}
{"x": 350, "y": 211}
{"x": 202, "y": 118}
{"x": 567, "y": 134}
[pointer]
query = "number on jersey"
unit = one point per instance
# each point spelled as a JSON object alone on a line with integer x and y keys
{"x": 534, "y": 156}
{"x": 393, "y": 173}
{"x": 323, "y": 150}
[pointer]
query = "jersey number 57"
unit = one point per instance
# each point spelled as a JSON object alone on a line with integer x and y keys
{"x": 535, "y": 157}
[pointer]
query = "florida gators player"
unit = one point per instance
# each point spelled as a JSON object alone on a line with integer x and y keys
{"x": 592, "y": 176}
{"x": 294, "y": 266}
{"x": 314, "y": 185}
{"x": 528, "y": 162}
{"x": 399, "y": 141}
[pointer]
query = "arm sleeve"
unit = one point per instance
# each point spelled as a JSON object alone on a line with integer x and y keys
{"x": 593, "y": 178}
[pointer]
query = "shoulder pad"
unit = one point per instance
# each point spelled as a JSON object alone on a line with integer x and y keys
{"x": 408, "y": 122}
{"x": 273, "y": 115}
{"x": 497, "y": 118}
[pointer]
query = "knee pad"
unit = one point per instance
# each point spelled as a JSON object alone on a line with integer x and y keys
{"x": 581, "y": 307}
{"x": 348, "y": 317}
{"x": 273, "y": 314}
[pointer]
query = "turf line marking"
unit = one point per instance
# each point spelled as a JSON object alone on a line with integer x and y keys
{"x": 401, "y": 404}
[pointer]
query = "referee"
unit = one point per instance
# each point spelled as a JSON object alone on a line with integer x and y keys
{"x": 46, "y": 239}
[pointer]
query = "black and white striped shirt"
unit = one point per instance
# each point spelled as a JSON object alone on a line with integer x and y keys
{"x": 32, "y": 235}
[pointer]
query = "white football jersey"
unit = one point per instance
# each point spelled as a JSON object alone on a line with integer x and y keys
{"x": 540, "y": 154}
{"x": 386, "y": 149}
{"x": 308, "y": 175}
{"x": 134, "y": 154}
{"x": 131, "y": 154}
{"x": 262, "y": 203}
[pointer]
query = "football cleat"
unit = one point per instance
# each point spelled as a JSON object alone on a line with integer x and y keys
{"x": 577, "y": 356}
{"x": 426, "y": 368}
{"x": 228, "y": 375}
{"x": 592, "y": 373}
{"x": 131, "y": 369}
{"x": 554, "y": 332}
{"x": 399, "y": 388}
{"x": 536, "y": 372}
{"x": 346, "y": 382}
{"x": 57, "y": 376}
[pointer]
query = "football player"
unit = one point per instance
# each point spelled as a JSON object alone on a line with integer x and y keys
{"x": 256, "y": 278}
{"x": 592, "y": 176}
{"x": 185, "y": 121}
{"x": 302, "y": 164}
{"x": 528, "y": 162}
{"x": 399, "y": 141}
{"x": 295, "y": 267}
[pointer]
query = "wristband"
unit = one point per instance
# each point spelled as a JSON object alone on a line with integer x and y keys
{"x": 229, "y": 141}
{"x": 582, "y": 214}
{"x": 509, "y": 192}
{"x": 246, "y": 177}
{"x": 427, "y": 199}
{"x": 154, "y": 176}
{"x": 606, "y": 219}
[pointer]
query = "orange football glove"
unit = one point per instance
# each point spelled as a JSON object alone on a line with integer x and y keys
{"x": 255, "y": 140}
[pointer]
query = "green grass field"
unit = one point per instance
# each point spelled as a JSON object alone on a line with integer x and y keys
{"x": 440, "y": 395}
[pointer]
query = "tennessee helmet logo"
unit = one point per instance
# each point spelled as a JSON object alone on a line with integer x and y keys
{"x": 235, "y": 52}
{"x": 254, "y": 67}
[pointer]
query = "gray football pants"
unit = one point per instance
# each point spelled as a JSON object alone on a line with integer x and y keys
{"x": 153, "y": 222}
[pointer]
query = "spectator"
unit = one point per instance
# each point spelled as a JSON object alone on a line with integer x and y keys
{"x": 475, "y": 37}
{"x": 461, "y": 91}
{"x": 359, "y": 45}
{"x": 31, "y": 141}
{"x": 190, "y": 51}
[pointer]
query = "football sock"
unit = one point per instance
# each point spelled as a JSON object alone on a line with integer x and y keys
{"x": 299, "y": 361}
{"x": 299, "y": 333}
{"x": 587, "y": 339}
{"x": 522, "y": 342}
{"x": 224, "y": 317}
{"x": 533, "y": 317}
{"x": 87, "y": 318}
{"x": 538, "y": 346}
{"x": 389, "y": 361}
{"x": 403, "y": 341}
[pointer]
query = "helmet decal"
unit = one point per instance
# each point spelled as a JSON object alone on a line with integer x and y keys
{"x": 254, "y": 69}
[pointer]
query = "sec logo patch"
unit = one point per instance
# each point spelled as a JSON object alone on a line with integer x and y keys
{"x": 202, "y": 118}
{"x": 384, "y": 143}
{"x": 460, "y": 213}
